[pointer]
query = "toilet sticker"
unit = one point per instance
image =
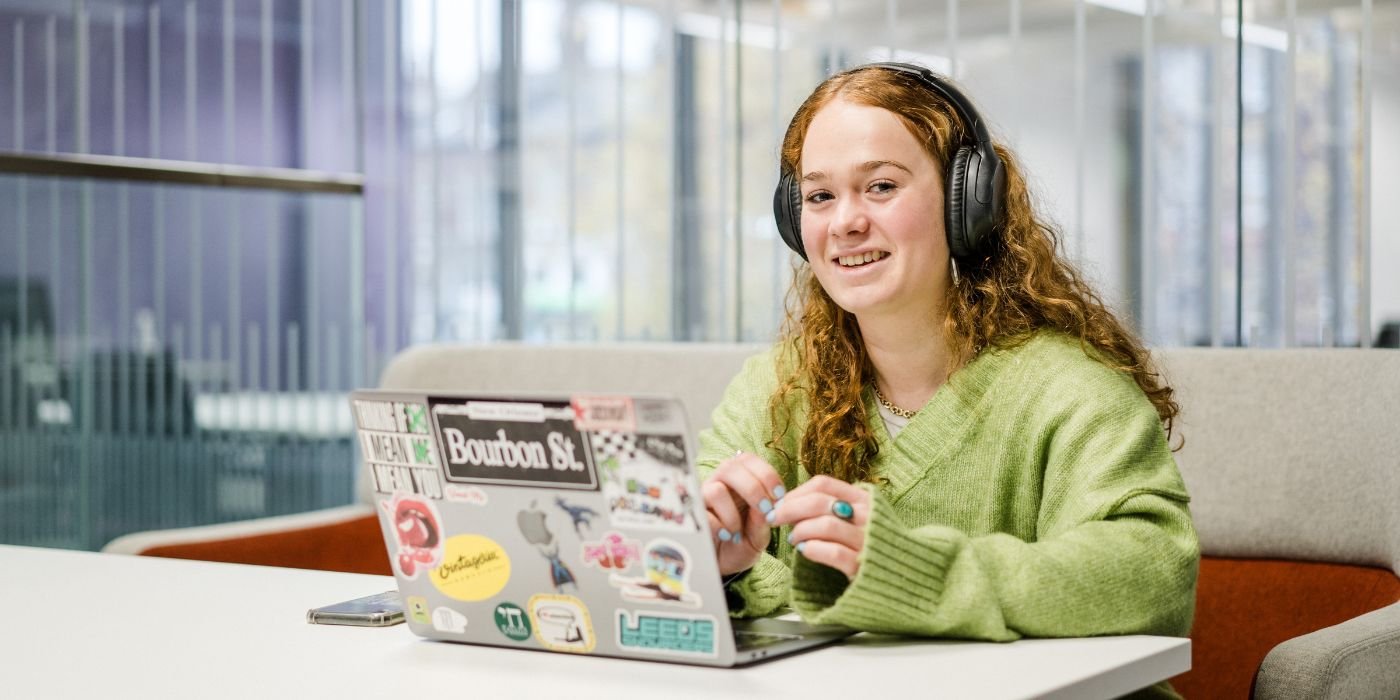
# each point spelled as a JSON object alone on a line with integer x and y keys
{"x": 562, "y": 623}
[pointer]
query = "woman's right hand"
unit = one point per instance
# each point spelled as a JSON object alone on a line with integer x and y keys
{"x": 738, "y": 497}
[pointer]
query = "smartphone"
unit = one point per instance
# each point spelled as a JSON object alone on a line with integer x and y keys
{"x": 379, "y": 610}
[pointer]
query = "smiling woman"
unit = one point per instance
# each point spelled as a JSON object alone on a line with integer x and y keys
{"x": 955, "y": 437}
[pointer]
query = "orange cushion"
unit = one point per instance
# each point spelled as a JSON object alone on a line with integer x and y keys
{"x": 1246, "y": 607}
{"x": 354, "y": 545}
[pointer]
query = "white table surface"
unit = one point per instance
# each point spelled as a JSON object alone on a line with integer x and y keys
{"x": 80, "y": 624}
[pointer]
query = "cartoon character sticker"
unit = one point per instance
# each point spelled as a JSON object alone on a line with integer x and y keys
{"x": 667, "y": 633}
{"x": 613, "y": 552}
{"x": 562, "y": 623}
{"x": 417, "y": 532}
{"x": 533, "y": 526}
{"x": 580, "y": 515}
{"x": 644, "y": 480}
{"x": 665, "y": 579}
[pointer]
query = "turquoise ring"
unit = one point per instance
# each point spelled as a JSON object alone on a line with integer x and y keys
{"x": 843, "y": 510}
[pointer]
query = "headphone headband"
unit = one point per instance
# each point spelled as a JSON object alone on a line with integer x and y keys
{"x": 955, "y": 97}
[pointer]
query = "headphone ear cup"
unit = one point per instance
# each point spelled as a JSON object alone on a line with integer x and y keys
{"x": 955, "y": 205}
{"x": 787, "y": 212}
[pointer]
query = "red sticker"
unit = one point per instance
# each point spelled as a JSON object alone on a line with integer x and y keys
{"x": 604, "y": 413}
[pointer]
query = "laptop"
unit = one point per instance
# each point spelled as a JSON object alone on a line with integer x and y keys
{"x": 570, "y": 524}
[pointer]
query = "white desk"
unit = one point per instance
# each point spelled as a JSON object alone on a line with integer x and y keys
{"x": 79, "y": 624}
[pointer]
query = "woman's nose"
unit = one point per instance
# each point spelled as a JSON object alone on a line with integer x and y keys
{"x": 849, "y": 216}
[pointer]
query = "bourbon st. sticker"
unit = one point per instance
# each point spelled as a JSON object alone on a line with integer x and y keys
{"x": 513, "y": 442}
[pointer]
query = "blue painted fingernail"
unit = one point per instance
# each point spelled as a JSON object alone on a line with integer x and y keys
{"x": 772, "y": 515}
{"x": 723, "y": 535}
{"x": 800, "y": 547}
{"x": 779, "y": 491}
{"x": 738, "y": 538}
{"x": 765, "y": 505}
{"x": 789, "y": 538}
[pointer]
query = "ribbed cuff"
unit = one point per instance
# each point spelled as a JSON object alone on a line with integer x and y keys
{"x": 763, "y": 589}
{"x": 899, "y": 584}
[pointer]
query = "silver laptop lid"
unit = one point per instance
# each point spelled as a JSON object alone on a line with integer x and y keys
{"x": 542, "y": 522}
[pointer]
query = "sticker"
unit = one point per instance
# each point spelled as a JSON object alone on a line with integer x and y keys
{"x": 449, "y": 620}
{"x": 418, "y": 609}
{"x": 473, "y": 568}
{"x": 603, "y": 413}
{"x": 665, "y": 578}
{"x": 645, "y": 481}
{"x": 534, "y": 526}
{"x": 415, "y": 524}
{"x": 512, "y": 622}
{"x": 580, "y": 515}
{"x": 391, "y": 416}
{"x": 417, "y": 415}
{"x": 515, "y": 443}
{"x": 612, "y": 552}
{"x": 462, "y": 493}
{"x": 562, "y": 623}
{"x": 667, "y": 633}
{"x": 397, "y": 478}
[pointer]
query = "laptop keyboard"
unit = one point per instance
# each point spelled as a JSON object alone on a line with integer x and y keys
{"x": 745, "y": 641}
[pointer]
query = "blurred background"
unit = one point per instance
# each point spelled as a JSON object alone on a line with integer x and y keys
{"x": 219, "y": 216}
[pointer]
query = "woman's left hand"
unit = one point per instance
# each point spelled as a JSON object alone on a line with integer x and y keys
{"x": 818, "y": 529}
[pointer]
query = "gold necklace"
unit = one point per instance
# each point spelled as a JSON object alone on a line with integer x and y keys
{"x": 904, "y": 413}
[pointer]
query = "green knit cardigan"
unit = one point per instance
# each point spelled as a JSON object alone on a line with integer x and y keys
{"x": 1034, "y": 495}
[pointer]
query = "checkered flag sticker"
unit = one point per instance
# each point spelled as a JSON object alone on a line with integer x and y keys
{"x": 620, "y": 446}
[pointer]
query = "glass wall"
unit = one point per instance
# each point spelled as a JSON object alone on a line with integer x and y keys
{"x": 217, "y": 217}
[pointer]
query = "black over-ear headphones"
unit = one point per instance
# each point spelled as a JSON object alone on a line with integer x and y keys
{"x": 975, "y": 181}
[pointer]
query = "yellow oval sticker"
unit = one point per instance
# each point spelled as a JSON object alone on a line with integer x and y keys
{"x": 473, "y": 568}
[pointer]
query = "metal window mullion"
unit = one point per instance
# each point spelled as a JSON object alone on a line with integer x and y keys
{"x": 775, "y": 288}
{"x": 738, "y": 222}
{"x": 619, "y": 188}
{"x": 1080, "y": 114}
{"x": 571, "y": 158}
{"x": 952, "y": 28}
{"x": 81, "y": 51}
{"x": 721, "y": 171}
{"x": 1148, "y": 195}
{"x": 196, "y": 263}
{"x": 1363, "y": 322}
{"x": 1217, "y": 167}
{"x": 1290, "y": 178}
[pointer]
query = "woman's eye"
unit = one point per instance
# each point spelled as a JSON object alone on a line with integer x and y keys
{"x": 882, "y": 187}
{"x": 818, "y": 197}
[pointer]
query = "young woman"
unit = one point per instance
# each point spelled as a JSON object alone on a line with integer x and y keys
{"x": 954, "y": 437}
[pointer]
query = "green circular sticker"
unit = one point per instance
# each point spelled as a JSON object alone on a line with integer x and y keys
{"x": 512, "y": 621}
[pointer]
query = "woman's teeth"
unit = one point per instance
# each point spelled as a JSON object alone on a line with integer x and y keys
{"x": 858, "y": 260}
